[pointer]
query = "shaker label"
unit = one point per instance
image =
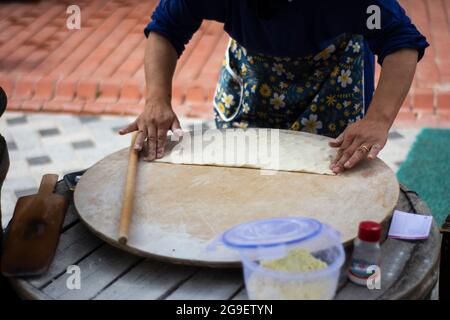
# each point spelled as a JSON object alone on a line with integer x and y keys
{"x": 359, "y": 268}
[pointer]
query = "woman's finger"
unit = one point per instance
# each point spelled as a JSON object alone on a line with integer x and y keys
{"x": 374, "y": 151}
{"x": 129, "y": 128}
{"x": 336, "y": 143}
{"x": 144, "y": 151}
{"x": 140, "y": 140}
{"x": 346, "y": 155}
{"x": 348, "y": 140}
{"x": 151, "y": 142}
{"x": 336, "y": 159}
{"x": 359, "y": 154}
{"x": 161, "y": 142}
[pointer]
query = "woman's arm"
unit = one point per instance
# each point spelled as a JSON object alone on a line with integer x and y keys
{"x": 172, "y": 26}
{"x": 395, "y": 81}
{"x": 158, "y": 117}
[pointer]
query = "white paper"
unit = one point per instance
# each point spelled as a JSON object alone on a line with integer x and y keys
{"x": 410, "y": 226}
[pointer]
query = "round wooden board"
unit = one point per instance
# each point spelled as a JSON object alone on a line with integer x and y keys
{"x": 180, "y": 209}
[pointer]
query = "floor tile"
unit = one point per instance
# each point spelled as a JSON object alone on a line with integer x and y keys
{"x": 17, "y": 120}
{"x": 36, "y": 161}
{"x": 26, "y": 138}
{"x": 12, "y": 146}
{"x": 87, "y": 119}
{"x": 60, "y": 153}
{"x": 83, "y": 144}
{"x": 49, "y": 132}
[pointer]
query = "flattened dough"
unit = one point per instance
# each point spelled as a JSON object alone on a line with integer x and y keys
{"x": 267, "y": 149}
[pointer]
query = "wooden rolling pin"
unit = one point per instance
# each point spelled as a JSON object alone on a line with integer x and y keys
{"x": 128, "y": 195}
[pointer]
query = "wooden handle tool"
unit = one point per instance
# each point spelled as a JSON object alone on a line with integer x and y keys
{"x": 32, "y": 235}
{"x": 128, "y": 195}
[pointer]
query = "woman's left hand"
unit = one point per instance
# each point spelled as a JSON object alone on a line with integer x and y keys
{"x": 363, "y": 139}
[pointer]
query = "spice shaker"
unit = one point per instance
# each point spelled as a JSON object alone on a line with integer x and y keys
{"x": 366, "y": 253}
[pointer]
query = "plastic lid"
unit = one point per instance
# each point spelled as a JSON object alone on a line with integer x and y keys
{"x": 271, "y": 233}
{"x": 369, "y": 231}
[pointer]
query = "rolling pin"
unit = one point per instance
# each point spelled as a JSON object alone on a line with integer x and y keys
{"x": 128, "y": 195}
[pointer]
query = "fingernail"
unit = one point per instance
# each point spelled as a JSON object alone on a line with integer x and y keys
{"x": 347, "y": 164}
{"x": 137, "y": 147}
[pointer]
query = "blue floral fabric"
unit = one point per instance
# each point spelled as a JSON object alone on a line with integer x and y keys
{"x": 318, "y": 94}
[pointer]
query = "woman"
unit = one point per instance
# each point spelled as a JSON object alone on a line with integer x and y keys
{"x": 290, "y": 64}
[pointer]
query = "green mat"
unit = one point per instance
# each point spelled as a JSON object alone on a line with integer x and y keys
{"x": 427, "y": 170}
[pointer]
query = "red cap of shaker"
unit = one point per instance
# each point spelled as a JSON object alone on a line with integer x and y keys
{"x": 369, "y": 231}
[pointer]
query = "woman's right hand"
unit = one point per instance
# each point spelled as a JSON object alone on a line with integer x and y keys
{"x": 153, "y": 124}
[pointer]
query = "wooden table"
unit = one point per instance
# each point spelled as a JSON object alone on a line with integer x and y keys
{"x": 409, "y": 269}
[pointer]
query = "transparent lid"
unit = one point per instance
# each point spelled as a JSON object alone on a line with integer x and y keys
{"x": 272, "y": 232}
{"x": 272, "y": 237}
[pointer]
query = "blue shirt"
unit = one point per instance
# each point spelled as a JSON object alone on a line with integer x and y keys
{"x": 296, "y": 29}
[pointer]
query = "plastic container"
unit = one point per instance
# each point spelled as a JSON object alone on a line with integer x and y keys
{"x": 261, "y": 244}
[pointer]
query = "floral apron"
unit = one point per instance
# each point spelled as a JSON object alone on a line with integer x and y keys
{"x": 319, "y": 94}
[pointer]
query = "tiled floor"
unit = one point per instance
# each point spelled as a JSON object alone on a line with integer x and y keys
{"x": 99, "y": 69}
{"x": 56, "y": 143}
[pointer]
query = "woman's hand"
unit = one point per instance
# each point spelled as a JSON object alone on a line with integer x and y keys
{"x": 366, "y": 138}
{"x": 362, "y": 139}
{"x": 158, "y": 117}
{"x": 153, "y": 124}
